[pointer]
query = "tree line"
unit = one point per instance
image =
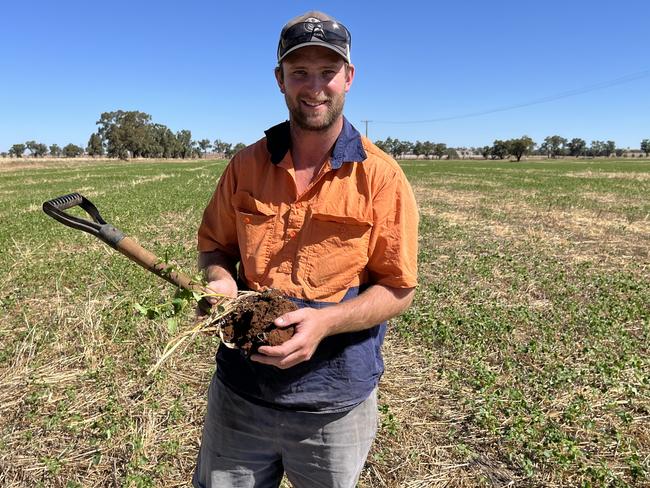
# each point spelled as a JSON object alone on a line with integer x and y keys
{"x": 130, "y": 134}
{"x": 133, "y": 134}
{"x": 552, "y": 147}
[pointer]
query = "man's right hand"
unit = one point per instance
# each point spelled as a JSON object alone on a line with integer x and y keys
{"x": 224, "y": 287}
{"x": 215, "y": 291}
{"x": 219, "y": 271}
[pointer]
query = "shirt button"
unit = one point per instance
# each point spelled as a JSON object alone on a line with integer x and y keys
{"x": 292, "y": 234}
{"x": 247, "y": 220}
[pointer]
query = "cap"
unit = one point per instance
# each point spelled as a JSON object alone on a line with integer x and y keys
{"x": 314, "y": 29}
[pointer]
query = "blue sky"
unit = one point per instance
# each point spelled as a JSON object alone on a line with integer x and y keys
{"x": 208, "y": 66}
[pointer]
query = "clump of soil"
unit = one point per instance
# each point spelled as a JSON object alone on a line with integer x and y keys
{"x": 250, "y": 324}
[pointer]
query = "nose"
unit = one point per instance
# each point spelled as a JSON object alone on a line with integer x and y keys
{"x": 313, "y": 83}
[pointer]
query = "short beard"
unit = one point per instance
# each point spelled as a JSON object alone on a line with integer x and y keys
{"x": 334, "y": 111}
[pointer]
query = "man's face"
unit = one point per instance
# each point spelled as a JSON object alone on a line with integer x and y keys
{"x": 314, "y": 81}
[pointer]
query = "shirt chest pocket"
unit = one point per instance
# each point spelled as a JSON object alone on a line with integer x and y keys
{"x": 255, "y": 220}
{"x": 333, "y": 251}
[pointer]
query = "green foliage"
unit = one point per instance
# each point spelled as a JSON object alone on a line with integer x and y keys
{"x": 72, "y": 151}
{"x": 36, "y": 149}
{"x": 577, "y": 147}
{"x": 238, "y": 147}
{"x": 547, "y": 354}
{"x": 95, "y": 145}
{"x": 17, "y": 150}
{"x": 204, "y": 144}
{"x": 222, "y": 147}
{"x": 439, "y": 149}
{"x": 553, "y": 146}
{"x": 500, "y": 149}
{"x": 171, "y": 310}
{"x": 389, "y": 423}
{"x": 398, "y": 148}
{"x": 538, "y": 331}
{"x": 125, "y": 132}
{"x": 55, "y": 150}
{"x": 520, "y": 147}
{"x": 601, "y": 148}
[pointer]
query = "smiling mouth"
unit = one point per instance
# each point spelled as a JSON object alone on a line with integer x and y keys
{"x": 312, "y": 104}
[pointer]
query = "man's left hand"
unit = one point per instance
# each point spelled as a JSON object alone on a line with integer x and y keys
{"x": 311, "y": 328}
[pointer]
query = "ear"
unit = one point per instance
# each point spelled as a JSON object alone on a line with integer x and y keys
{"x": 279, "y": 78}
{"x": 349, "y": 76}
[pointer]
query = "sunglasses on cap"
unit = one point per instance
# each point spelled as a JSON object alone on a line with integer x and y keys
{"x": 327, "y": 31}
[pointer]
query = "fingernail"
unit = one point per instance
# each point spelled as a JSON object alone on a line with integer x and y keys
{"x": 280, "y": 320}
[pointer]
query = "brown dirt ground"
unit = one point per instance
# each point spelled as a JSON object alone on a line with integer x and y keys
{"x": 250, "y": 324}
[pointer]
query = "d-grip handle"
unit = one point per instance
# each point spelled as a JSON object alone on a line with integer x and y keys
{"x": 117, "y": 240}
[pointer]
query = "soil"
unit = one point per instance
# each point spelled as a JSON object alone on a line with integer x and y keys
{"x": 250, "y": 325}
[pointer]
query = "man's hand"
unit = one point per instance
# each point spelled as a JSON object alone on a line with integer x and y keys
{"x": 311, "y": 328}
{"x": 218, "y": 270}
{"x": 214, "y": 292}
{"x": 375, "y": 305}
{"x": 224, "y": 286}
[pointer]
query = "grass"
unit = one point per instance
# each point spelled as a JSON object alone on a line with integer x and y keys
{"x": 522, "y": 362}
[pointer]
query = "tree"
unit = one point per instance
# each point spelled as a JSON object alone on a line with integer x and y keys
{"x": 204, "y": 144}
{"x": 387, "y": 145}
{"x": 439, "y": 149}
{"x": 597, "y": 148}
{"x": 55, "y": 150}
{"x": 645, "y": 146}
{"x": 394, "y": 147}
{"x": 553, "y": 146}
{"x": 17, "y": 150}
{"x": 520, "y": 147}
{"x": 95, "y": 145}
{"x": 401, "y": 147}
{"x": 452, "y": 153}
{"x": 382, "y": 145}
{"x": 418, "y": 149}
{"x": 238, "y": 147}
{"x": 4, "y": 154}
{"x": 162, "y": 143}
{"x": 428, "y": 147}
{"x": 126, "y": 133}
{"x": 499, "y": 149}
{"x": 609, "y": 148}
{"x": 196, "y": 151}
{"x": 183, "y": 144}
{"x": 577, "y": 147}
{"x": 72, "y": 151}
{"x": 485, "y": 151}
{"x": 222, "y": 147}
{"x": 36, "y": 149}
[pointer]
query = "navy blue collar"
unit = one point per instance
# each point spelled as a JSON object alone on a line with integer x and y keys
{"x": 348, "y": 147}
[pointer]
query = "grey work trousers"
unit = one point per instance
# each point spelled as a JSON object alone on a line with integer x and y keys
{"x": 248, "y": 445}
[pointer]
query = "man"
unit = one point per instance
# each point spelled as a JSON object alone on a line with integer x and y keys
{"x": 320, "y": 213}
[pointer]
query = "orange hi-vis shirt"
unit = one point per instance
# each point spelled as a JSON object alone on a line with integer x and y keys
{"x": 355, "y": 224}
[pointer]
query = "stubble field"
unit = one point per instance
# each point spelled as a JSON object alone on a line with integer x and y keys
{"x": 523, "y": 362}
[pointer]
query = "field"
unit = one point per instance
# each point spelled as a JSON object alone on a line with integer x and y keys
{"x": 523, "y": 362}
